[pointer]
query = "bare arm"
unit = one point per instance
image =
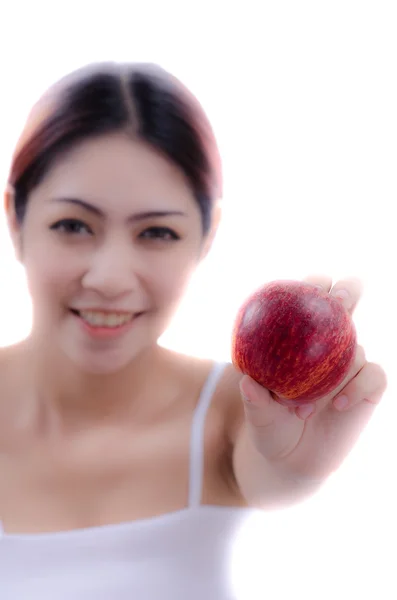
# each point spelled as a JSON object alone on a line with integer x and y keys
{"x": 262, "y": 485}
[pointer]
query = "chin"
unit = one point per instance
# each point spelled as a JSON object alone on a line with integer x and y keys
{"x": 104, "y": 361}
{"x": 101, "y": 365}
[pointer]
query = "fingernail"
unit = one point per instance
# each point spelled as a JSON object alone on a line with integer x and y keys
{"x": 342, "y": 294}
{"x": 246, "y": 399}
{"x": 306, "y": 411}
{"x": 247, "y": 389}
{"x": 243, "y": 393}
{"x": 341, "y": 402}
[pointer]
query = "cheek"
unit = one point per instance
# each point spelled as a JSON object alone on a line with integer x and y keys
{"x": 50, "y": 276}
{"x": 169, "y": 282}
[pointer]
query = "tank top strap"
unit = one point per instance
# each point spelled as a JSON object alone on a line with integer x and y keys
{"x": 197, "y": 435}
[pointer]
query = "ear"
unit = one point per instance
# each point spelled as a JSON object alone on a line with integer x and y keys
{"x": 216, "y": 218}
{"x": 13, "y": 226}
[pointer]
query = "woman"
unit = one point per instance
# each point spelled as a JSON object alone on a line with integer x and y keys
{"x": 124, "y": 466}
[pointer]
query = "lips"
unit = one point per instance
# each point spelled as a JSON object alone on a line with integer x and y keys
{"x": 105, "y": 319}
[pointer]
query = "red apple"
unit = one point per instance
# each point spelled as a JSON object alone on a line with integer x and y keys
{"x": 295, "y": 340}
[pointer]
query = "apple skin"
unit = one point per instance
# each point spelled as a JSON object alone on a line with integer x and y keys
{"x": 294, "y": 339}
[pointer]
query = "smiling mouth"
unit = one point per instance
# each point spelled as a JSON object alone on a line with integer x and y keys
{"x": 106, "y": 320}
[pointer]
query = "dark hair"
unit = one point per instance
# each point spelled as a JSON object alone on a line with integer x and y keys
{"x": 140, "y": 99}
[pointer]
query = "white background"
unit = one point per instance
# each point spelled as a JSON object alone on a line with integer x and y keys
{"x": 303, "y": 98}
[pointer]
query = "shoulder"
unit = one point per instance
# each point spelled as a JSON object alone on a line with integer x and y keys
{"x": 8, "y": 359}
{"x": 226, "y": 401}
{"x": 6, "y": 365}
{"x": 225, "y": 419}
{"x": 230, "y": 402}
{"x": 9, "y": 377}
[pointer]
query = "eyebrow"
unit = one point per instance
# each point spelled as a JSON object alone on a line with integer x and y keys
{"x": 140, "y": 216}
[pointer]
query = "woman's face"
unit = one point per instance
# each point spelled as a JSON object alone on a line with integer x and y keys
{"x": 110, "y": 239}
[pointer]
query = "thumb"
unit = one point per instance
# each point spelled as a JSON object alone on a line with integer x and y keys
{"x": 275, "y": 430}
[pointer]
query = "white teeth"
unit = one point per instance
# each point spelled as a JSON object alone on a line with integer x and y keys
{"x": 100, "y": 319}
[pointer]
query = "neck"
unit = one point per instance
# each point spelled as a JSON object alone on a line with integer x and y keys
{"x": 67, "y": 398}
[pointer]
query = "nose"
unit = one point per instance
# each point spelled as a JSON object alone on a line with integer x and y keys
{"x": 112, "y": 272}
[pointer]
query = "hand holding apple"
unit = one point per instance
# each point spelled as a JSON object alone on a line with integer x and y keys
{"x": 282, "y": 431}
{"x": 294, "y": 339}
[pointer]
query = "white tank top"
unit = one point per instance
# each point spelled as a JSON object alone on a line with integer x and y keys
{"x": 183, "y": 555}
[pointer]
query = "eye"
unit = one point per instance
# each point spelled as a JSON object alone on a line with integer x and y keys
{"x": 71, "y": 227}
{"x": 160, "y": 233}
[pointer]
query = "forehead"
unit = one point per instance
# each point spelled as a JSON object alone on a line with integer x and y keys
{"x": 119, "y": 168}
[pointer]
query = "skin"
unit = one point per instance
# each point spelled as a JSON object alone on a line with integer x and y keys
{"x": 80, "y": 431}
{"x": 79, "y": 395}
